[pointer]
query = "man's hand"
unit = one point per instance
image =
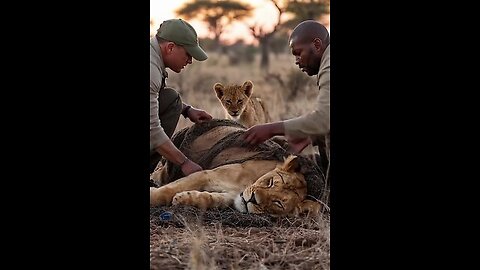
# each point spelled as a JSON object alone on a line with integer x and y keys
{"x": 302, "y": 146}
{"x": 190, "y": 167}
{"x": 260, "y": 133}
{"x": 198, "y": 116}
{"x": 170, "y": 152}
{"x": 296, "y": 145}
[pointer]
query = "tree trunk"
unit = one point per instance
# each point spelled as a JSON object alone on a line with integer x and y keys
{"x": 265, "y": 60}
{"x": 217, "y": 43}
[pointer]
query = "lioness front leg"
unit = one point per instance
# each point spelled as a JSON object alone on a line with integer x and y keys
{"x": 164, "y": 195}
{"x": 200, "y": 181}
{"x": 203, "y": 199}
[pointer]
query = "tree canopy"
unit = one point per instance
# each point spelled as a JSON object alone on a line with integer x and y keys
{"x": 305, "y": 10}
{"x": 217, "y": 14}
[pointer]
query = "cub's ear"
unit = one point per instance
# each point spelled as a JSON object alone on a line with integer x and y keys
{"x": 291, "y": 164}
{"x": 218, "y": 87}
{"x": 248, "y": 88}
{"x": 309, "y": 208}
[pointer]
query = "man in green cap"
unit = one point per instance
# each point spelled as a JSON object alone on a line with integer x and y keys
{"x": 173, "y": 47}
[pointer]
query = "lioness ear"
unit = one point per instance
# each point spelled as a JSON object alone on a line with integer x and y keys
{"x": 248, "y": 88}
{"x": 218, "y": 87}
{"x": 309, "y": 208}
{"x": 291, "y": 164}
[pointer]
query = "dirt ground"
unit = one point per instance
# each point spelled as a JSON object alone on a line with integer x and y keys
{"x": 228, "y": 239}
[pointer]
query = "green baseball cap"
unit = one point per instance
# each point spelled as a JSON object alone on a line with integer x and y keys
{"x": 183, "y": 34}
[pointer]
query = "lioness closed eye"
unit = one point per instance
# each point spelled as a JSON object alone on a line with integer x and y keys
{"x": 240, "y": 105}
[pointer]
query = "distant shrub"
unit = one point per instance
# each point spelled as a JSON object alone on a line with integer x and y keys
{"x": 296, "y": 82}
{"x": 207, "y": 44}
{"x": 240, "y": 52}
{"x": 204, "y": 83}
{"x": 279, "y": 44}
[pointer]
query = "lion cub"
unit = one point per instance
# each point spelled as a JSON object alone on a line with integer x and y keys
{"x": 240, "y": 105}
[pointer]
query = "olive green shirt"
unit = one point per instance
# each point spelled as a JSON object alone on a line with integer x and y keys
{"x": 316, "y": 122}
{"x": 158, "y": 75}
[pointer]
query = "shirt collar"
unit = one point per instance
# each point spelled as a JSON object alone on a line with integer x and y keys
{"x": 327, "y": 51}
{"x": 158, "y": 56}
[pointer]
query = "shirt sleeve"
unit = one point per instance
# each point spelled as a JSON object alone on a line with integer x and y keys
{"x": 157, "y": 134}
{"x": 316, "y": 122}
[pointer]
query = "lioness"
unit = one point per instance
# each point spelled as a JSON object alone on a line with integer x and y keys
{"x": 261, "y": 184}
{"x": 240, "y": 105}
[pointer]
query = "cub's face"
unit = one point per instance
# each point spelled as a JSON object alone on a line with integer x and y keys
{"x": 234, "y": 97}
{"x": 278, "y": 192}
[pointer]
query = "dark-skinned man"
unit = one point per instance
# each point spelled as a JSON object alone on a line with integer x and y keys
{"x": 310, "y": 44}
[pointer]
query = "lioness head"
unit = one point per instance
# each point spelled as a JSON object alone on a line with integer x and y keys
{"x": 234, "y": 97}
{"x": 279, "y": 192}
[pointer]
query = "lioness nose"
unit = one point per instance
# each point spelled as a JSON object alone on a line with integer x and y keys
{"x": 252, "y": 199}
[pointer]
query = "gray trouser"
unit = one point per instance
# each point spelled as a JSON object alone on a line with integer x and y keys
{"x": 169, "y": 110}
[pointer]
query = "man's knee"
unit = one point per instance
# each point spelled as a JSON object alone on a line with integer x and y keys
{"x": 169, "y": 100}
{"x": 154, "y": 159}
{"x": 170, "y": 107}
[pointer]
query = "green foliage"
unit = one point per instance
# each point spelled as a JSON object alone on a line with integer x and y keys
{"x": 207, "y": 44}
{"x": 217, "y": 14}
{"x": 214, "y": 9}
{"x": 240, "y": 52}
{"x": 279, "y": 43}
{"x": 306, "y": 10}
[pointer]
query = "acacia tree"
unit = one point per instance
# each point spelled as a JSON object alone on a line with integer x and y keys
{"x": 300, "y": 9}
{"x": 264, "y": 37}
{"x": 217, "y": 14}
{"x": 305, "y": 10}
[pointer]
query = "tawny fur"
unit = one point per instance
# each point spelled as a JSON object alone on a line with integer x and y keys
{"x": 255, "y": 186}
{"x": 240, "y": 105}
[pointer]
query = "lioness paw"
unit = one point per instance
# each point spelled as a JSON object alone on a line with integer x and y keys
{"x": 160, "y": 196}
{"x": 182, "y": 198}
{"x": 194, "y": 198}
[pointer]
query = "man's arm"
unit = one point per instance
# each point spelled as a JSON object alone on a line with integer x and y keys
{"x": 170, "y": 152}
{"x": 195, "y": 115}
{"x": 260, "y": 133}
{"x": 160, "y": 142}
{"x": 314, "y": 123}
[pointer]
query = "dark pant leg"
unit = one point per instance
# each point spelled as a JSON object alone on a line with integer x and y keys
{"x": 169, "y": 111}
{"x": 323, "y": 150}
{"x": 323, "y": 143}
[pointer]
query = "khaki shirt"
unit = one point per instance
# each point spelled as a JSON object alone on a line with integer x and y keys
{"x": 158, "y": 75}
{"x": 317, "y": 122}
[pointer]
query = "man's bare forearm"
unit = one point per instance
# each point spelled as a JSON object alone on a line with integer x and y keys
{"x": 169, "y": 151}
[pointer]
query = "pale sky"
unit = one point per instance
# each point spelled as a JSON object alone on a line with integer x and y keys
{"x": 264, "y": 14}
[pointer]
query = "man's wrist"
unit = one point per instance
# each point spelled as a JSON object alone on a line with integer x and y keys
{"x": 278, "y": 128}
{"x": 185, "y": 111}
{"x": 183, "y": 162}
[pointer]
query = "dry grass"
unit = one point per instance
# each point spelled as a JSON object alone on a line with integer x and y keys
{"x": 227, "y": 239}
